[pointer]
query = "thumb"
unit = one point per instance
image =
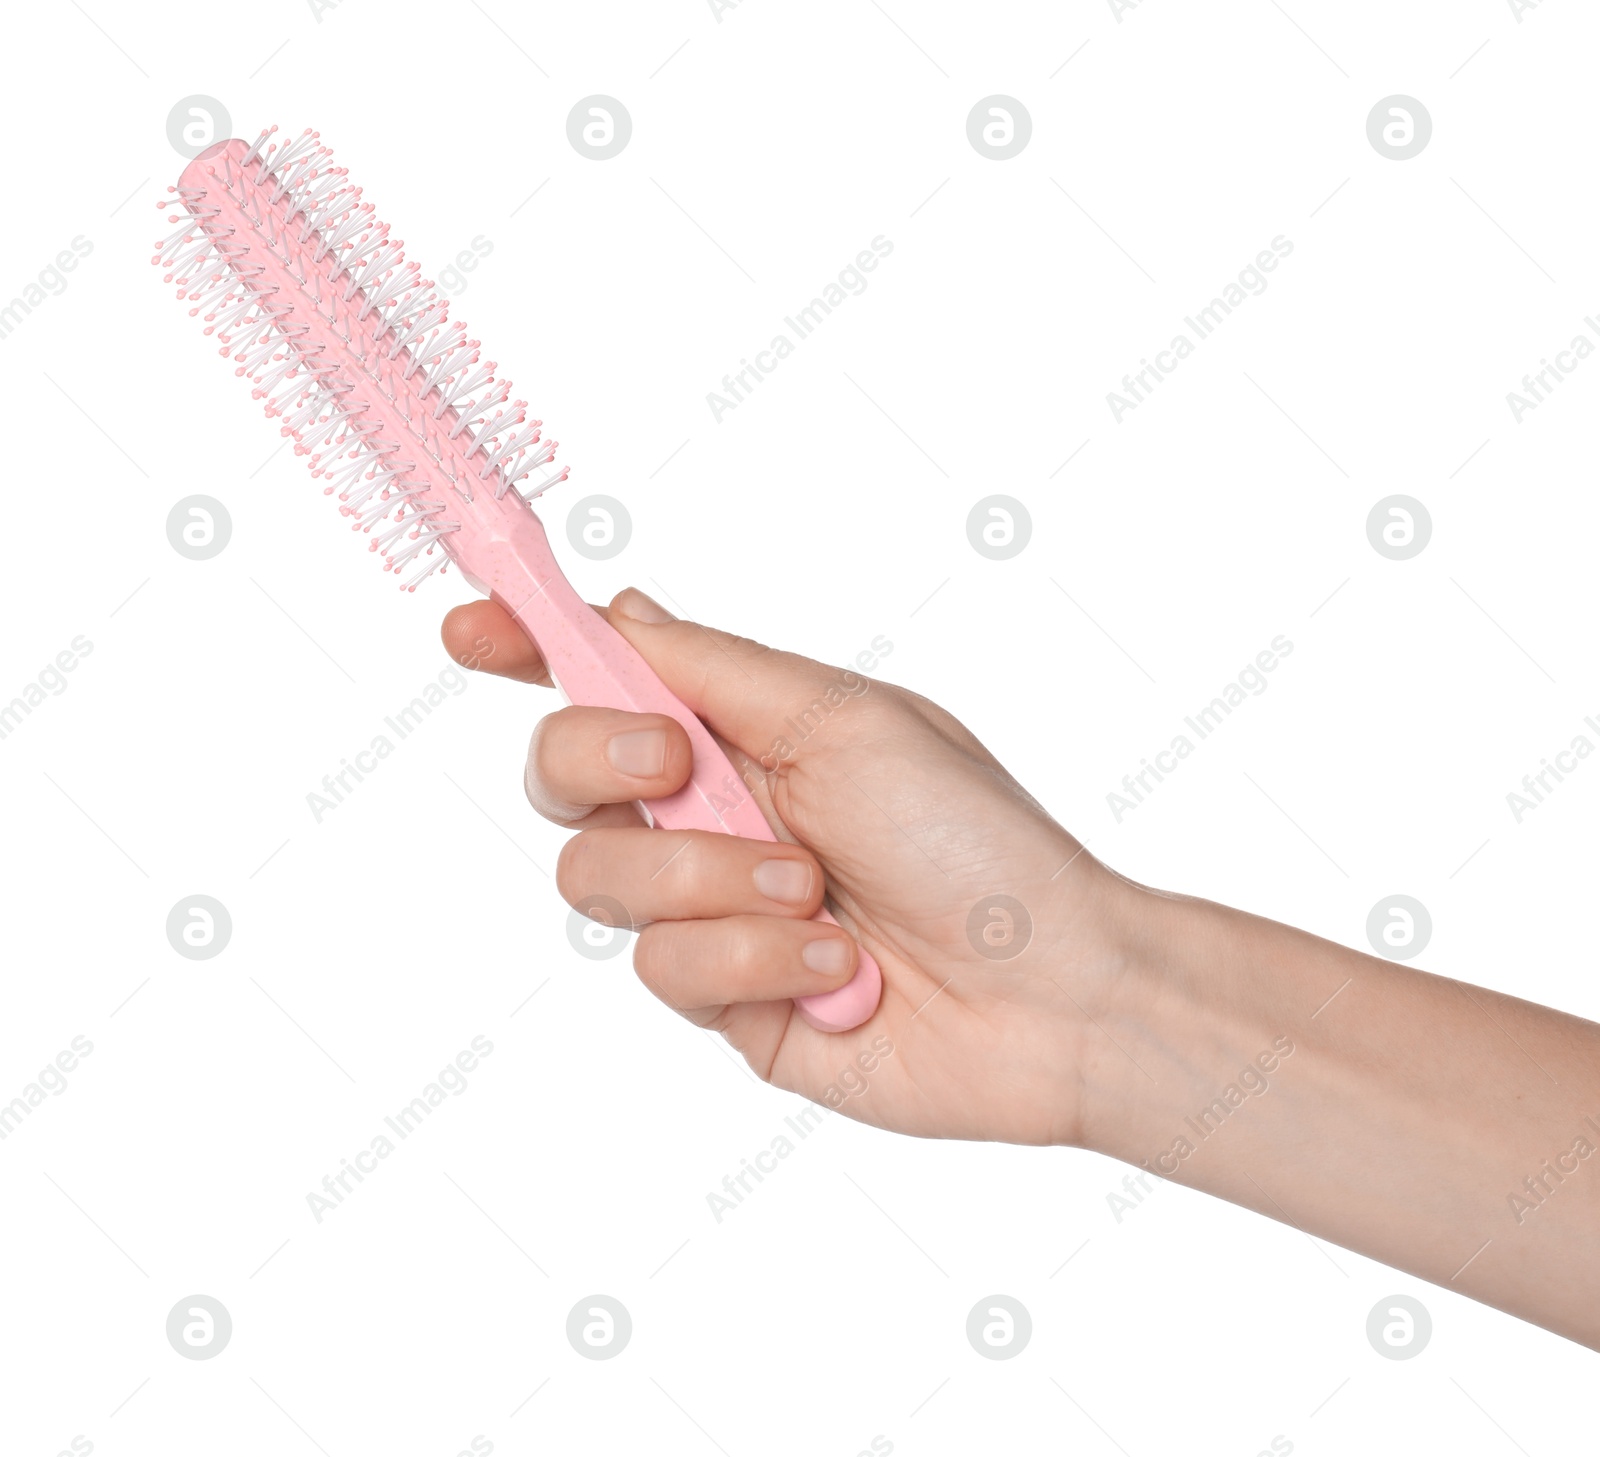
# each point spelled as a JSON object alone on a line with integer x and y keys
{"x": 764, "y": 701}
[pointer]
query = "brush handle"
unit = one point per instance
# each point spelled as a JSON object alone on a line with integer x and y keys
{"x": 592, "y": 664}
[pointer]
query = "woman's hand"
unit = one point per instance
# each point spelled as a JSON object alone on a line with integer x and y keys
{"x": 988, "y": 920}
{"x": 1033, "y": 996}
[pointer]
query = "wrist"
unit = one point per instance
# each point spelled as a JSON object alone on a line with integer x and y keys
{"x": 1183, "y": 1013}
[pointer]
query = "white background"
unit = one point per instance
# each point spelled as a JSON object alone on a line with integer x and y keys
{"x": 369, "y": 949}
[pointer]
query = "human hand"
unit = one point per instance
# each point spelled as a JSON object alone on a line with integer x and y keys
{"x": 1128, "y": 1020}
{"x": 912, "y": 823}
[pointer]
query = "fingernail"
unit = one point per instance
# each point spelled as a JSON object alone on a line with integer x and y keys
{"x": 633, "y": 603}
{"x": 828, "y": 955}
{"x": 787, "y": 881}
{"x": 642, "y": 753}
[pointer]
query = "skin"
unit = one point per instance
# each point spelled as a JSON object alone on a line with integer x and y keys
{"x": 1436, "y": 1126}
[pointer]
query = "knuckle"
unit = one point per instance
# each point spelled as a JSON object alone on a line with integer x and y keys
{"x": 734, "y": 949}
{"x": 939, "y": 719}
{"x": 551, "y": 735}
{"x": 538, "y": 767}
{"x": 747, "y": 656}
{"x": 710, "y": 954}
{"x": 749, "y": 949}
{"x": 880, "y": 710}
{"x": 544, "y": 779}
{"x": 575, "y": 868}
{"x": 654, "y": 958}
{"x": 684, "y": 868}
{"x": 745, "y": 648}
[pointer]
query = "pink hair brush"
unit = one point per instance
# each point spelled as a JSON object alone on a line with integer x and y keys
{"x": 354, "y": 352}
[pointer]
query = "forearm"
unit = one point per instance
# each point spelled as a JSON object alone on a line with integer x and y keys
{"x": 1441, "y": 1128}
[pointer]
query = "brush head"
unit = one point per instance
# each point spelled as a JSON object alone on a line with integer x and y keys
{"x": 354, "y": 352}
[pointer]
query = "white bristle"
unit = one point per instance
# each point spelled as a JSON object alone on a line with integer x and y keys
{"x": 289, "y": 192}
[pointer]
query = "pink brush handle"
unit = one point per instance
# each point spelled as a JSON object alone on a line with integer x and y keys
{"x": 593, "y": 664}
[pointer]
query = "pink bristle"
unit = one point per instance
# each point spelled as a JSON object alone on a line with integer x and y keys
{"x": 346, "y": 345}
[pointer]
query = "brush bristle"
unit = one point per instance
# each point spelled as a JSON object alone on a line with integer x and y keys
{"x": 349, "y": 346}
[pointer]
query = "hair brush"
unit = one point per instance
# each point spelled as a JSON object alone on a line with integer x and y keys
{"x": 354, "y": 353}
